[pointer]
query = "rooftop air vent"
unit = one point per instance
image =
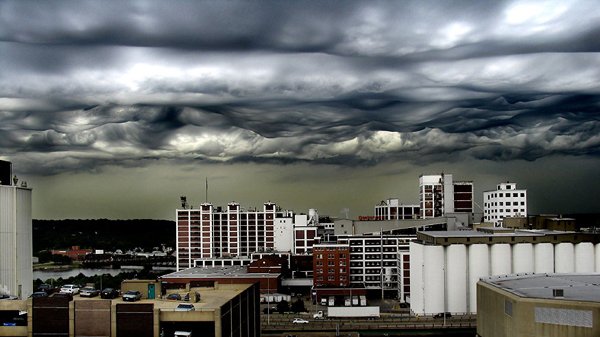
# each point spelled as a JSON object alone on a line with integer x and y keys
{"x": 558, "y": 292}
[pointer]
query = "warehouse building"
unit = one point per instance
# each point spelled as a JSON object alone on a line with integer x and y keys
{"x": 220, "y": 310}
{"x": 449, "y": 264}
{"x": 540, "y": 305}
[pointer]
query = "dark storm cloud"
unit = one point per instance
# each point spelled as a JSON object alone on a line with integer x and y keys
{"x": 345, "y": 83}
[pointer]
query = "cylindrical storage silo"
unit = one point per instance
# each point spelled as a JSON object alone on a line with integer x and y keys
{"x": 416, "y": 277}
{"x": 433, "y": 279}
{"x": 456, "y": 278}
{"x": 564, "y": 258}
{"x": 522, "y": 258}
{"x": 501, "y": 259}
{"x": 598, "y": 258}
{"x": 584, "y": 257}
{"x": 543, "y": 258}
{"x": 479, "y": 266}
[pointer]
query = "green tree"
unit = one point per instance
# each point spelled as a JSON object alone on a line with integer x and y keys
{"x": 298, "y": 306}
{"x": 283, "y": 306}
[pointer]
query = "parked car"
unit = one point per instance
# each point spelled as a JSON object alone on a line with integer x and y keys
{"x": 39, "y": 294}
{"x": 64, "y": 295}
{"x": 185, "y": 307}
{"x": 174, "y": 297}
{"x": 442, "y": 314}
{"x": 89, "y": 292}
{"x": 8, "y": 297}
{"x": 299, "y": 321}
{"x": 70, "y": 289}
{"x": 109, "y": 293}
{"x": 48, "y": 289}
{"x": 132, "y": 296}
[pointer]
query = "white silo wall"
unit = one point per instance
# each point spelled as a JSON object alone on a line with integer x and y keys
{"x": 416, "y": 278}
{"x": 501, "y": 259}
{"x": 479, "y": 266}
{"x": 564, "y": 258}
{"x": 598, "y": 258}
{"x": 433, "y": 279}
{"x": 456, "y": 278}
{"x": 584, "y": 257}
{"x": 543, "y": 258}
{"x": 522, "y": 258}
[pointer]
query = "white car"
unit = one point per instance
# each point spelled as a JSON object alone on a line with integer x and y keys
{"x": 299, "y": 321}
{"x": 70, "y": 289}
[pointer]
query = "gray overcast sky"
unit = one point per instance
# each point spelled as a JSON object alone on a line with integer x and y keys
{"x": 116, "y": 108}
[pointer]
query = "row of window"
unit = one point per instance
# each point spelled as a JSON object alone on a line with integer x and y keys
{"x": 502, "y": 211}
{"x": 508, "y": 203}
{"x": 505, "y": 195}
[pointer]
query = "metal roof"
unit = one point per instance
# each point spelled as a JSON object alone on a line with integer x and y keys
{"x": 576, "y": 287}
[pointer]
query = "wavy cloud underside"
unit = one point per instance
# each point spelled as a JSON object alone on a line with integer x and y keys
{"x": 87, "y": 83}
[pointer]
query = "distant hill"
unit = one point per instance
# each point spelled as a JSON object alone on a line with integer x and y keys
{"x": 102, "y": 234}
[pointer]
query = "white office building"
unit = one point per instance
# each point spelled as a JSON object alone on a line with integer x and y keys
{"x": 16, "y": 275}
{"x": 506, "y": 201}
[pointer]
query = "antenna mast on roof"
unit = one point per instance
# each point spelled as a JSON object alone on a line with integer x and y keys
{"x": 206, "y": 191}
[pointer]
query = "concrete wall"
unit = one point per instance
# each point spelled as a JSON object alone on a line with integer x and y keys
{"x": 494, "y": 320}
{"x": 92, "y": 318}
{"x": 12, "y": 306}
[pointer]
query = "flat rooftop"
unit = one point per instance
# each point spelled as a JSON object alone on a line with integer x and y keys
{"x": 576, "y": 287}
{"x": 217, "y": 272}
{"x": 472, "y": 233}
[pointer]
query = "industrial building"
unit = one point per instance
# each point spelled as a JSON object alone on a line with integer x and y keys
{"x": 448, "y": 264}
{"x": 440, "y": 195}
{"x": 220, "y": 310}
{"x": 331, "y": 265}
{"x": 505, "y": 202}
{"x": 16, "y": 271}
{"x": 392, "y": 209}
{"x": 379, "y": 263}
{"x": 267, "y": 281}
{"x": 541, "y": 305}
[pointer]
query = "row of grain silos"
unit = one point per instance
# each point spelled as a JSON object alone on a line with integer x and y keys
{"x": 444, "y": 278}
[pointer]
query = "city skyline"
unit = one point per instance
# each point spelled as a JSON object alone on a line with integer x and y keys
{"x": 114, "y": 109}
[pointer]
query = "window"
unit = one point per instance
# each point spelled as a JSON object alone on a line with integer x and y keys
{"x": 501, "y": 195}
{"x": 515, "y": 195}
{"x": 331, "y": 256}
{"x": 522, "y": 195}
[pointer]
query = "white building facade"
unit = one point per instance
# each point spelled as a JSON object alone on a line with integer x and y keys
{"x": 392, "y": 209}
{"x": 506, "y": 201}
{"x": 16, "y": 270}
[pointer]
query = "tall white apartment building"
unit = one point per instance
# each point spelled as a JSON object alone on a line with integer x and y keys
{"x": 16, "y": 272}
{"x": 506, "y": 201}
{"x": 209, "y": 232}
{"x": 440, "y": 195}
